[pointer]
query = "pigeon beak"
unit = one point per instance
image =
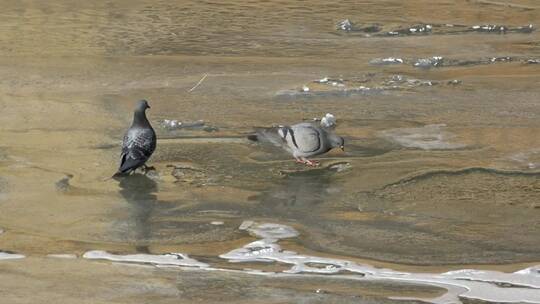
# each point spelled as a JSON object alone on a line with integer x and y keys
{"x": 342, "y": 148}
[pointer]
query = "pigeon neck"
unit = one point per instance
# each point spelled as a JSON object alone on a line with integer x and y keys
{"x": 139, "y": 119}
{"x": 335, "y": 141}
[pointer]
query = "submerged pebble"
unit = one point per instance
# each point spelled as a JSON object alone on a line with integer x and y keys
{"x": 189, "y": 173}
{"x": 340, "y": 167}
{"x": 63, "y": 185}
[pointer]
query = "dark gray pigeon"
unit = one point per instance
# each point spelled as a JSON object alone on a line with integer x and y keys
{"x": 139, "y": 142}
{"x": 302, "y": 140}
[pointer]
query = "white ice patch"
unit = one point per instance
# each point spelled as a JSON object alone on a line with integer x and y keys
{"x": 171, "y": 259}
{"x": 386, "y": 61}
{"x": 10, "y": 256}
{"x": 521, "y": 286}
{"x": 62, "y": 256}
{"x": 429, "y": 137}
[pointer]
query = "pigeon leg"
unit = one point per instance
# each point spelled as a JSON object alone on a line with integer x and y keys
{"x": 300, "y": 161}
{"x": 146, "y": 169}
{"x": 312, "y": 163}
{"x": 307, "y": 162}
{"x": 315, "y": 163}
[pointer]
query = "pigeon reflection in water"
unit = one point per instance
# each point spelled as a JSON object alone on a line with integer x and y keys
{"x": 139, "y": 191}
{"x": 299, "y": 194}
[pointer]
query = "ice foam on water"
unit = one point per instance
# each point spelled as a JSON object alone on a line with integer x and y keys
{"x": 171, "y": 259}
{"x": 428, "y": 62}
{"x": 520, "y": 286}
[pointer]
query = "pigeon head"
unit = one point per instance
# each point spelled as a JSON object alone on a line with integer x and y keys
{"x": 139, "y": 117}
{"x": 337, "y": 142}
{"x": 142, "y": 105}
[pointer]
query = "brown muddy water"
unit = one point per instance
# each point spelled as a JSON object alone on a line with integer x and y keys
{"x": 439, "y": 103}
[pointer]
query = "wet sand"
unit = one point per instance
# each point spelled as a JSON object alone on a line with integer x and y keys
{"x": 440, "y": 176}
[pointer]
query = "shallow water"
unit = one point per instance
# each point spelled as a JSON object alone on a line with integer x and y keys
{"x": 441, "y": 169}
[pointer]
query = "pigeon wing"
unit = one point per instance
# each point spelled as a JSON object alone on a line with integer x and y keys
{"x": 305, "y": 138}
{"x": 272, "y": 135}
{"x": 137, "y": 147}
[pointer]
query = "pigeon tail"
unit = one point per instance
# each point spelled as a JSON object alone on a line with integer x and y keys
{"x": 132, "y": 161}
{"x": 267, "y": 135}
{"x": 253, "y": 137}
{"x": 119, "y": 174}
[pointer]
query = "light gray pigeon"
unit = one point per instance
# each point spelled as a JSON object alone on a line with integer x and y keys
{"x": 302, "y": 140}
{"x": 139, "y": 142}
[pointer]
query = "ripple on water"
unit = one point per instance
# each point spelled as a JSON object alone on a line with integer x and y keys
{"x": 472, "y": 185}
{"x": 429, "y": 137}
